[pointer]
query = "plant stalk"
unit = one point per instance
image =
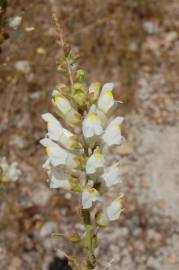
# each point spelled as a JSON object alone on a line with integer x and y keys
{"x": 90, "y": 257}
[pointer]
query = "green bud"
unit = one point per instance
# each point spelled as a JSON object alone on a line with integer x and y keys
{"x": 62, "y": 88}
{"x": 75, "y": 143}
{"x": 76, "y": 187}
{"x": 80, "y": 75}
{"x": 62, "y": 70}
{"x": 94, "y": 91}
{"x": 79, "y": 94}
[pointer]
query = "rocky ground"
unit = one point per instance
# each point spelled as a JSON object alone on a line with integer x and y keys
{"x": 140, "y": 54}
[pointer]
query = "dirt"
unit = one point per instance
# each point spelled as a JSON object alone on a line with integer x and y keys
{"x": 136, "y": 45}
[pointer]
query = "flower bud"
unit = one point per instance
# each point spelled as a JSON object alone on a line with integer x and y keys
{"x": 80, "y": 75}
{"x": 94, "y": 91}
{"x": 79, "y": 94}
{"x": 65, "y": 109}
{"x": 62, "y": 88}
{"x": 75, "y": 184}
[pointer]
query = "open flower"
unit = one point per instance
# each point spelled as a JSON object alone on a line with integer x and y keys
{"x": 10, "y": 172}
{"x": 112, "y": 134}
{"x": 112, "y": 175}
{"x": 95, "y": 163}
{"x": 106, "y": 102}
{"x": 110, "y": 213}
{"x": 65, "y": 109}
{"x": 59, "y": 178}
{"x": 114, "y": 210}
{"x": 59, "y": 156}
{"x": 91, "y": 126}
{"x": 89, "y": 195}
{"x": 57, "y": 133}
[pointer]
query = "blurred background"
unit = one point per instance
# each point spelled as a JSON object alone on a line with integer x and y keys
{"x": 135, "y": 44}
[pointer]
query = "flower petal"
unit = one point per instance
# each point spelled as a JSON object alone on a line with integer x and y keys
{"x": 112, "y": 175}
{"x": 112, "y": 134}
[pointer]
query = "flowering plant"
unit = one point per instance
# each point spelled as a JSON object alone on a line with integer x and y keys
{"x": 77, "y": 143}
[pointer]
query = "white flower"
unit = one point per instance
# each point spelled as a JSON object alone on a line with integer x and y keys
{"x": 110, "y": 213}
{"x": 112, "y": 134}
{"x": 91, "y": 126}
{"x": 57, "y": 133}
{"x": 65, "y": 108}
{"x": 95, "y": 163}
{"x": 89, "y": 195}
{"x": 59, "y": 156}
{"x": 114, "y": 210}
{"x": 9, "y": 172}
{"x": 112, "y": 175}
{"x": 106, "y": 101}
{"x": 59, "y": 178}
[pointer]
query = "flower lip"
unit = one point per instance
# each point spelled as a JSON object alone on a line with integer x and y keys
{"x": 92, "y": 116}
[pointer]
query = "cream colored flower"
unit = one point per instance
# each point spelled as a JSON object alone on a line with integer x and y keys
{"x": 57, "y": 133}
{"x": 89, "y": 195}
{"x": 91, "y": 126}
{"x": 112, "y": 134}
{"x": 95, "y": 163}
{"x": 65, "y": 109}
{"x": 59, "y": 178}
{"x": 112, "y": 175}
{"x": 10, "y": 172}
{"x": 59, "y": 156}
{"x": 106, "y": 102}
{"x": 114, "y": 210}
{"x": 110, "y": 213}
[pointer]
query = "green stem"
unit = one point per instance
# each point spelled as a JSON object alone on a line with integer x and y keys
{"x": 90, "y": 258}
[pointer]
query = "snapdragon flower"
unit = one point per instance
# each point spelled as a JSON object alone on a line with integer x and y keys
{"x": 65, "y": 108}
{"x": 112, "y": 134}
{"x": 59, "y": 178}
{"x": 59, "y": 134}
{"x": 59, "y": 156}
{"x": 106, "y": 101}
{"x": 78, "y": 145}
{"x": 89, "y": 195}
{"x": 95, "y": 163}
{"x": 10, "y": 172}
{"x": 92, "y": 127}
{"x": 112, "y": 175}
{"x": 111, "y": 212}
{"x": 61, "y": 143}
